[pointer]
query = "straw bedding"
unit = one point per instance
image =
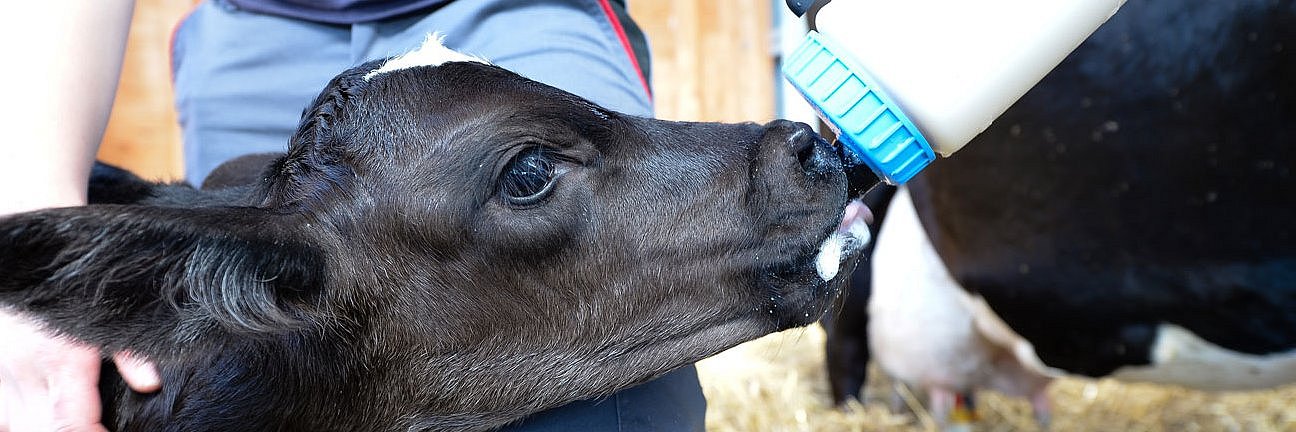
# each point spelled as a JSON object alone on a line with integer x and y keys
{"x": 778, "y": 383}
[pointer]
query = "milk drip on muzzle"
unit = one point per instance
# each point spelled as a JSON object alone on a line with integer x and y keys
{"x": 900, "y": 81}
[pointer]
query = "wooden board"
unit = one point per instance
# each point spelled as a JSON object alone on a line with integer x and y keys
{"x": 142, "y": 134}
{"x": 712, "y": 60}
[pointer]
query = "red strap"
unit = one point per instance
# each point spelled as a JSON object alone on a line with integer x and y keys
{"x": 625, "y": 44}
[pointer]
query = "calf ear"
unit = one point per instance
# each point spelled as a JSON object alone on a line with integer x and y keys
{"x": 316, "y": 161}
{"x": 131, "y": 276}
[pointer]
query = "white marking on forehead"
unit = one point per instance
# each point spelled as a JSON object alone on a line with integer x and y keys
{"x": 431, "y": 53}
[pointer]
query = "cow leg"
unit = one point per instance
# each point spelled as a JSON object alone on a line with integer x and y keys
{"x": 847, "y": 347}
{"x": 1042, "y": 407}
{"x": 950, "y": 409}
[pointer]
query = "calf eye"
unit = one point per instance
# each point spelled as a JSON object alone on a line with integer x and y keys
{"x": 529, "y": 177}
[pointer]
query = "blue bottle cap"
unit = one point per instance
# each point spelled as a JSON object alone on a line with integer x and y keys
{"x": 867, "y": 122}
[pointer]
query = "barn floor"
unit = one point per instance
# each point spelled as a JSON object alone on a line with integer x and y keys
{"x": 777, "y": 383}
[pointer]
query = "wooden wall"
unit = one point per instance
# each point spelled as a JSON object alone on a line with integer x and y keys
{"x": 712, "y": 61}
{"x": 142, "y": 134}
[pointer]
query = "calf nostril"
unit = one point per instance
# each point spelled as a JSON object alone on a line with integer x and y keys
{"x": 814, "y": 154}
{"x": 815, "y": 157}
{"x": 803, "y": 146}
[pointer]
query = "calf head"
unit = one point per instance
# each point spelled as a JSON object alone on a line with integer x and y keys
{"x": 446, "y": 244}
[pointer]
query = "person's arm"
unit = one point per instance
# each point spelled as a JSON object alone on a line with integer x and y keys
{"x": 64, "y": 61}
{"x": 65, "y": 58}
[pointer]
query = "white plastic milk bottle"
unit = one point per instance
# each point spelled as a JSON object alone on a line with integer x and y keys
{"x": 901, "y": 80}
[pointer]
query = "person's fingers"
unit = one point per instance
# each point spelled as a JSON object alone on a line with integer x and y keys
{"x": 9, "y": 405}
{"x": 4, "y": 407}
{"x": 73, "y": 387}
{"x": 140, "y": 373}
{"x": 66, "y": 399}
{"x": 47, "y": 383}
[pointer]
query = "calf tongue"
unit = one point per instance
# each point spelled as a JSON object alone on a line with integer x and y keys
{"x": 852, "y": 234}
{"x": 856, "y": 211}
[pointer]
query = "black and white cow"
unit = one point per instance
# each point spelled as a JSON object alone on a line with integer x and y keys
{"x": 1133, "y": 216}
{"x": 446, "y": 245}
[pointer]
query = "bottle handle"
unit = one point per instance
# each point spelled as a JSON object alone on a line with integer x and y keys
{"x": 800, "y": 7}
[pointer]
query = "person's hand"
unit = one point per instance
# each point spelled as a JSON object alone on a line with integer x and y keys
{"x": 50, "y": 383}
{"x": 69, "y": 78}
